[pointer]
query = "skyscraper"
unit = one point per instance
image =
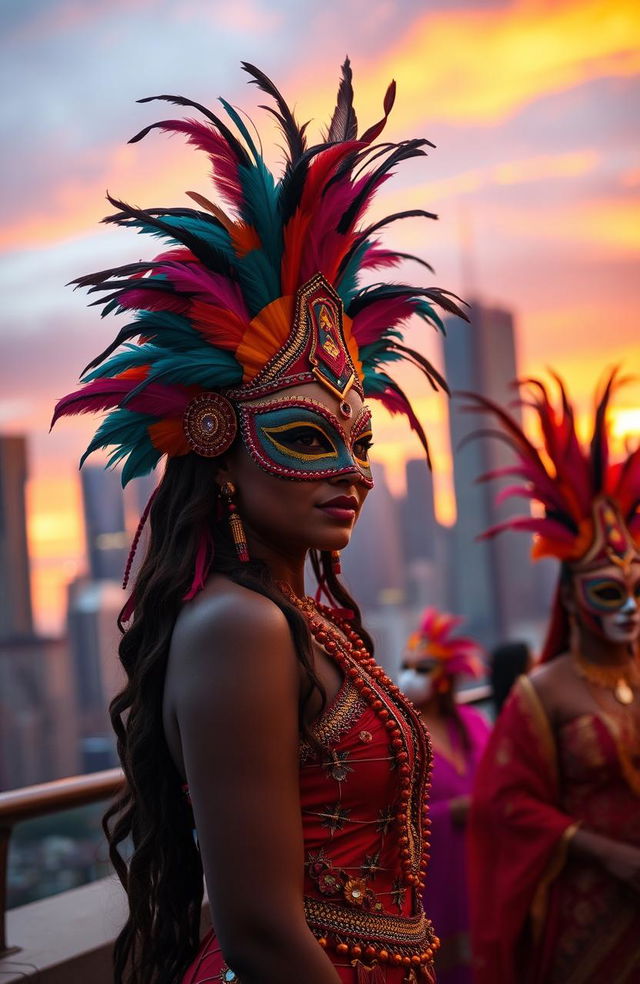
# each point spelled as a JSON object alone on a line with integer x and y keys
{"x": 493, "y": 581}
{"x": 418, "y": 513}
{"x": 93, "y": 641}
{"x": 424, "y": 541}
{"x": 15, "y": 589}
{"x": 107, "y": 539}
{"x": 373, "y": 563}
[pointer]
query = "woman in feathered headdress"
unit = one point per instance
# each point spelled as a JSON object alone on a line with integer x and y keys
{"x": 555, "y": 823}
{"x": 252, "y": 348}
{"x": 437, "y": 658}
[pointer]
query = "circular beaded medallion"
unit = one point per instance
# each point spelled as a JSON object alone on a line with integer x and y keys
{"x": 210, "y": 424}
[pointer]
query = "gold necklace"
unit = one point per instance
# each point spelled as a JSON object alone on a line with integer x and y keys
{"x": 620, "y": 680}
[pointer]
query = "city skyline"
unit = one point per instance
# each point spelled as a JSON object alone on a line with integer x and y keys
{"x": 535, "y": 177}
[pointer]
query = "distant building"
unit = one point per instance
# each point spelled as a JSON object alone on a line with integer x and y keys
{"x": 38, "y": 737}
{"x": 374, "y": 570}
{"x": 15, "y": 590}
{"x": 424, "y": 541}
{"x": 94, "y": 637}
{"x": 493, "y": 582}
{"x": 104, "y": 519}
{"x": 373, "y": 563}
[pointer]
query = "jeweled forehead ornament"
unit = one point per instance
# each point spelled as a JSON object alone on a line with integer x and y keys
{"x": 320, "y": 348}
{"x": 612, "y": 542}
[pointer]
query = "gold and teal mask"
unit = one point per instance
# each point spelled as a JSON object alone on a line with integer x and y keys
{"x": 299, "y": 438}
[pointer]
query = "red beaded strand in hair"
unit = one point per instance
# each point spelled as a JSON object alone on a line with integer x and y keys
{"x": 134, "y": 545}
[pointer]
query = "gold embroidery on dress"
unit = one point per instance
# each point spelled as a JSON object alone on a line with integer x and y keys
{"x": 358, "y": 923}
{"x": 335, "y": 720}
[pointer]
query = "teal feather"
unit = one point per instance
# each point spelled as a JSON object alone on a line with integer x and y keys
{"x": 347, "y": 286}
{"x": 259, "y": 281}
{"x": 168, "y": 329}
{"x": 141, "y": 460}
{"x": 234, "y": 115}
{"x": 208, "y": 359}
{"x": 260, "y": 209}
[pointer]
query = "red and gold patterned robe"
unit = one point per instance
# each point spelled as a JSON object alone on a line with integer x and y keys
{"x": 539, "y": 914}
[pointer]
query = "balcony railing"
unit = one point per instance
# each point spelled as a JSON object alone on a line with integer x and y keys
{"x": 38, "y": 801}
{"x": 54, "y": 797}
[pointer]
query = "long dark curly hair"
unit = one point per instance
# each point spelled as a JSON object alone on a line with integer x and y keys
{"x": 149, "y": 827}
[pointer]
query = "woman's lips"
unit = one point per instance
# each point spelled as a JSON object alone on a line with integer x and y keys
{"x": 342, "y": 507}
{"x": 346, "y": 515}
{"x": 628, "y": 624}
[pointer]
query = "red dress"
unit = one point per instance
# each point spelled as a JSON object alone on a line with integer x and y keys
{"x": 363, "y": 822}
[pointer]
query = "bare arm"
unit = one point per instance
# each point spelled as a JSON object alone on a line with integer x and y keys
{"x": 237, "y": 695}
{"x": 620, "y": 860}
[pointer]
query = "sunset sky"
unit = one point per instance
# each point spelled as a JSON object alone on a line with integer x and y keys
{"x": 532, "y": 105}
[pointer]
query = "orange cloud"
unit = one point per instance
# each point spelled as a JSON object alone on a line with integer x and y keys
{"x": 394, "y": 444}
{"x": 608, "y": 224}
{"x": 540, "y": 167}
{"x": 56, "y": 544}
{"x": 465, "y": 66}
{"x": 479, "y": 66}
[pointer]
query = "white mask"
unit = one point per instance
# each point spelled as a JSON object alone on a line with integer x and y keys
{"x": 417, "y": 687}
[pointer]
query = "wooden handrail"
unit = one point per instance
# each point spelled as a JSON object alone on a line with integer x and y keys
{"x": 31, "y": 802}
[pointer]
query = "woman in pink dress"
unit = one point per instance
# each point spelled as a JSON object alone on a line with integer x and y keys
{"x": 435, "y": 661}
{"x": 306, "y": 770}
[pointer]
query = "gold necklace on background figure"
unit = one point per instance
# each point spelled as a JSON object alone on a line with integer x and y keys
{"x": 620, "y": 680}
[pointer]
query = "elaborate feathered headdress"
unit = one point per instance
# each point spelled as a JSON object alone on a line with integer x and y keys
{"x": 257, "y": 296}
{"x": 454, "y": 654}
{"x": 591, "y": 505}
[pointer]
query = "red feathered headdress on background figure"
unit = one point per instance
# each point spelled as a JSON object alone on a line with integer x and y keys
{"x": 454, "y": 654}
{"x": 590, "y": 504}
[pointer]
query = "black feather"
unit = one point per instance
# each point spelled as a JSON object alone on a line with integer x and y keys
{"x": 366, "y": 233}
{"x": 403, "y": 152}
{"x": 212, "y": 258}
{"x": 435, "y": 378}
{"x": 344, "y": 123}
{"x": 294, "y": 134}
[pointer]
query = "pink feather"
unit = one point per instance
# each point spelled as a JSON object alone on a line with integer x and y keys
{"x": 370, "y": 323}
{"x": 224, "y": 164}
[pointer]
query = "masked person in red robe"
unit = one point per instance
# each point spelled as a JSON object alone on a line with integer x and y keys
{"x": 256, "y": 346}
{"x": 555, "y": 821}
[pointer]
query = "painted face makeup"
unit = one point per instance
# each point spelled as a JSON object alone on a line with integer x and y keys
{"x": 300, "y": 438}
{"x": 609, "y": 601}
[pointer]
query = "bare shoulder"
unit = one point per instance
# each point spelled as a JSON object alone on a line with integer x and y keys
{"x": 549, "y": 681}
{"x": 228, "y": 633}
{"x": 227, "y": 613}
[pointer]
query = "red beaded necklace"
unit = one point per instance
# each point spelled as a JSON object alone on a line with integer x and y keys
{"x": 345, "y": 646}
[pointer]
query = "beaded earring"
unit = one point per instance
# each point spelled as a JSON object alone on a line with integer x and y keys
{"x": 336, "y": 566}
{"x": 227, "y": 491}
